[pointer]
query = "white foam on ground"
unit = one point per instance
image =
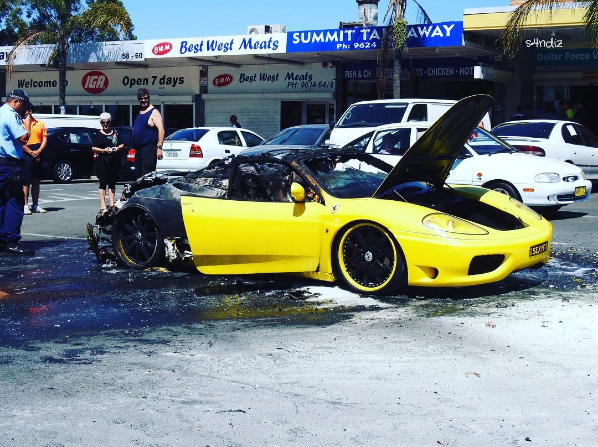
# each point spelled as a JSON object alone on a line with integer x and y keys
{"x": 341, "y": 297}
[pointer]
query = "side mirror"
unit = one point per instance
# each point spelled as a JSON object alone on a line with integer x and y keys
{"x": 297, "y": 192}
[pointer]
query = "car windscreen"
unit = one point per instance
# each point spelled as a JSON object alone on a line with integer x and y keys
{"x": 532, "y": 130}
{"x": 187, "y": 135}
{"x": 484, "y": 143}
{"x": 300, "y": 136}
{"x": 372, "y": 115}
{"x": 348, "y": 177}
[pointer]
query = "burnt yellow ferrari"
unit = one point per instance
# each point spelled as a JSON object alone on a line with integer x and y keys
{"x": 333, "y": 215}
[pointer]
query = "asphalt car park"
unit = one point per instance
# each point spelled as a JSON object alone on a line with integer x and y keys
{"x": 94, "y": 351}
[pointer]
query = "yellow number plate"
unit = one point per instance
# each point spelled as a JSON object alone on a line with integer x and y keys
{"x": 538, "y": 249}
{"x": 580, "y": 191}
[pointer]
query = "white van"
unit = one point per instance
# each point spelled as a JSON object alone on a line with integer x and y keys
{"x": 363, "y": 116}
{"x": 52, "y": 120}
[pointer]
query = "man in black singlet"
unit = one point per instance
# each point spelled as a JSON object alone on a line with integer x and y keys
{"x": 148, "y": 135}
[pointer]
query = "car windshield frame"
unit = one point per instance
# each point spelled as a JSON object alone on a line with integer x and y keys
{"x": 483, "y": 142}
{"x": 183, "y": 135}
{"x": 347, "y": 176}
{"x": 373, "y": 115}
{"x": 534, "y": 129}
{"x": 289, "y": 136}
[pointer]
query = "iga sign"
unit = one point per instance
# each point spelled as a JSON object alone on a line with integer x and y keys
{"x": 217, "y": 46}
{"x": 94, "y": 82}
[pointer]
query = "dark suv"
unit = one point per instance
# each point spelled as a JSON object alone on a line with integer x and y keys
{"x": 68, "y": 154}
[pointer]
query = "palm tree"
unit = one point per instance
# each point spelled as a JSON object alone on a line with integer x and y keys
{"x": 395, "y": 13}
{"x": 61, "y": 22}
{"x": 511, "y": 37}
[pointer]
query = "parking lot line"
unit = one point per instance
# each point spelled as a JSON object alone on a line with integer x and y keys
{"x": 55, "y": 237}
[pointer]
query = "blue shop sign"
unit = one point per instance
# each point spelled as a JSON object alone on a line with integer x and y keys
{"x": 566, "y": 58}
{"x": 368, "y": 38}
{"x": 452, "y": 67}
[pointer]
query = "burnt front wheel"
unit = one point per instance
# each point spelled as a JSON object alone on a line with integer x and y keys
{"x": 368, "y": 260}
{"x": 137, "y": 240}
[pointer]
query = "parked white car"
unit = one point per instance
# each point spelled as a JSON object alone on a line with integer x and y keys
{"x": 364, "y": 116}
{"x": 489, "y": 162}
{"x": 563, "y": 140}
{"x": 195, "y": 148}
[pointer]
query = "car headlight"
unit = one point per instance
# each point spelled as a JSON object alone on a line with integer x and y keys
{"x": 451, "y": 224}
{"x": 571, "y": 178}
{"x": 547, "y": 177}
{"x": 524, "y": 207}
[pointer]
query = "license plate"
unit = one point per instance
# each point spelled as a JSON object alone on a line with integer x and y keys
{"x": 538, "y": 249}
{"x": 580, "y": 191}
{"x": 171, "y": 154}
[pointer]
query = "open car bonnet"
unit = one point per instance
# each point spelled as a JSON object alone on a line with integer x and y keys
{"x": 433, "y": 154}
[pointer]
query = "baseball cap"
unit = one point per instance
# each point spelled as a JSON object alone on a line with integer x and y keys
{"x": 20, "y": 95}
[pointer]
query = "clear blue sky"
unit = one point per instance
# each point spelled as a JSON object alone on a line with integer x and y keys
{"x": 197, "y": 18}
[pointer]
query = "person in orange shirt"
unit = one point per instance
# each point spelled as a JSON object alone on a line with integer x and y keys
{"x": 32, "y": 171}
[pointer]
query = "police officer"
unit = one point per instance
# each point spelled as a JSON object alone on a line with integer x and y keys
{"x": 14, "y": 132}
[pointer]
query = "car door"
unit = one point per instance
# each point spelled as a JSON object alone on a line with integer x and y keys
{"x": 75, "y": 148}
{"x": 462, "y": 169}
{"x": 591, "y": 142}
{"x": 259, "y": 229}
{"x": 391, "y": 144}
{"x": 229, "y": 143}
{"x": 576, "y": 151}
{"x": 251, "y": 139}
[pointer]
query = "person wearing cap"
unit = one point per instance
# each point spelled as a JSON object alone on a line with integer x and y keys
{"x": 32, "y": 171}
{"x": 147, "y": 136}
{"x": 107, "y": 145}
{"x": 14, "y": 132}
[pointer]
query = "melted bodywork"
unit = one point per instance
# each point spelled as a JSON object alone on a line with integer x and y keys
{"x": 330, "y": 214}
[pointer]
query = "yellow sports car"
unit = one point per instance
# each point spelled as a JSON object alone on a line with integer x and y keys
{"x": 332, "y": 215}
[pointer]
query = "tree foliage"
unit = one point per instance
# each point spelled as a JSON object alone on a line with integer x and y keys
{"x": 511, "y": 37}
{"x": 62, "y": 22}
{"x": 395, "y": 39}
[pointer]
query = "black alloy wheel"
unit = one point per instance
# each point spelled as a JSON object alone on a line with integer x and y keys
{"x": 137, "y": 241}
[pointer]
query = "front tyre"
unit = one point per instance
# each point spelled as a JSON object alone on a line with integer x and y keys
{"x": 137, "y": 241}
{"x": 368, "y": 260}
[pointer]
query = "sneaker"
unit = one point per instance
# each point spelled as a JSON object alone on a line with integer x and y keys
{"x": 26, "y": 210}
{"x": 38, "y": 209}
{"x": 14, "y": 249}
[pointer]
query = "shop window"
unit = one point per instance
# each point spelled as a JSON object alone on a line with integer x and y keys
{"x": 90, "y": 110}
{"x": 179, "y": 116}
{"x": 69, "y": 110}
{"x": 120, "y": 114}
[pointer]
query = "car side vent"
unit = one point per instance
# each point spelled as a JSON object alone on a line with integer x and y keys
{"x": 485, "y": 264}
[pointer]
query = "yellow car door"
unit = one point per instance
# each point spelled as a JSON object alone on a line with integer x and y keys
{"x": 256, "y": 231}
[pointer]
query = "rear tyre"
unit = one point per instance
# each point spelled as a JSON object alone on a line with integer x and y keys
{"x": 137, "y": 241}
{"x": 368, "y": 260}
{"x": 63, "y": 172}
{"x": 505, "y": 188}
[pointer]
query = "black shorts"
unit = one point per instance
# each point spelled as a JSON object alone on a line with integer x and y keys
{"x": 32, "y": 168}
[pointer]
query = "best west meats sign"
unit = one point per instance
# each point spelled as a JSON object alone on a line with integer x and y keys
{"x": 271, "y": 79}
{"x": 98, "y": 83}
{"x": 430, "y": 35}
{"x": 216, "y": 46}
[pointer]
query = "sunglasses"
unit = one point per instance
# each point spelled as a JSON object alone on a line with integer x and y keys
{"x": 104, "y": 122}
{"x": 144, "y": 98}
